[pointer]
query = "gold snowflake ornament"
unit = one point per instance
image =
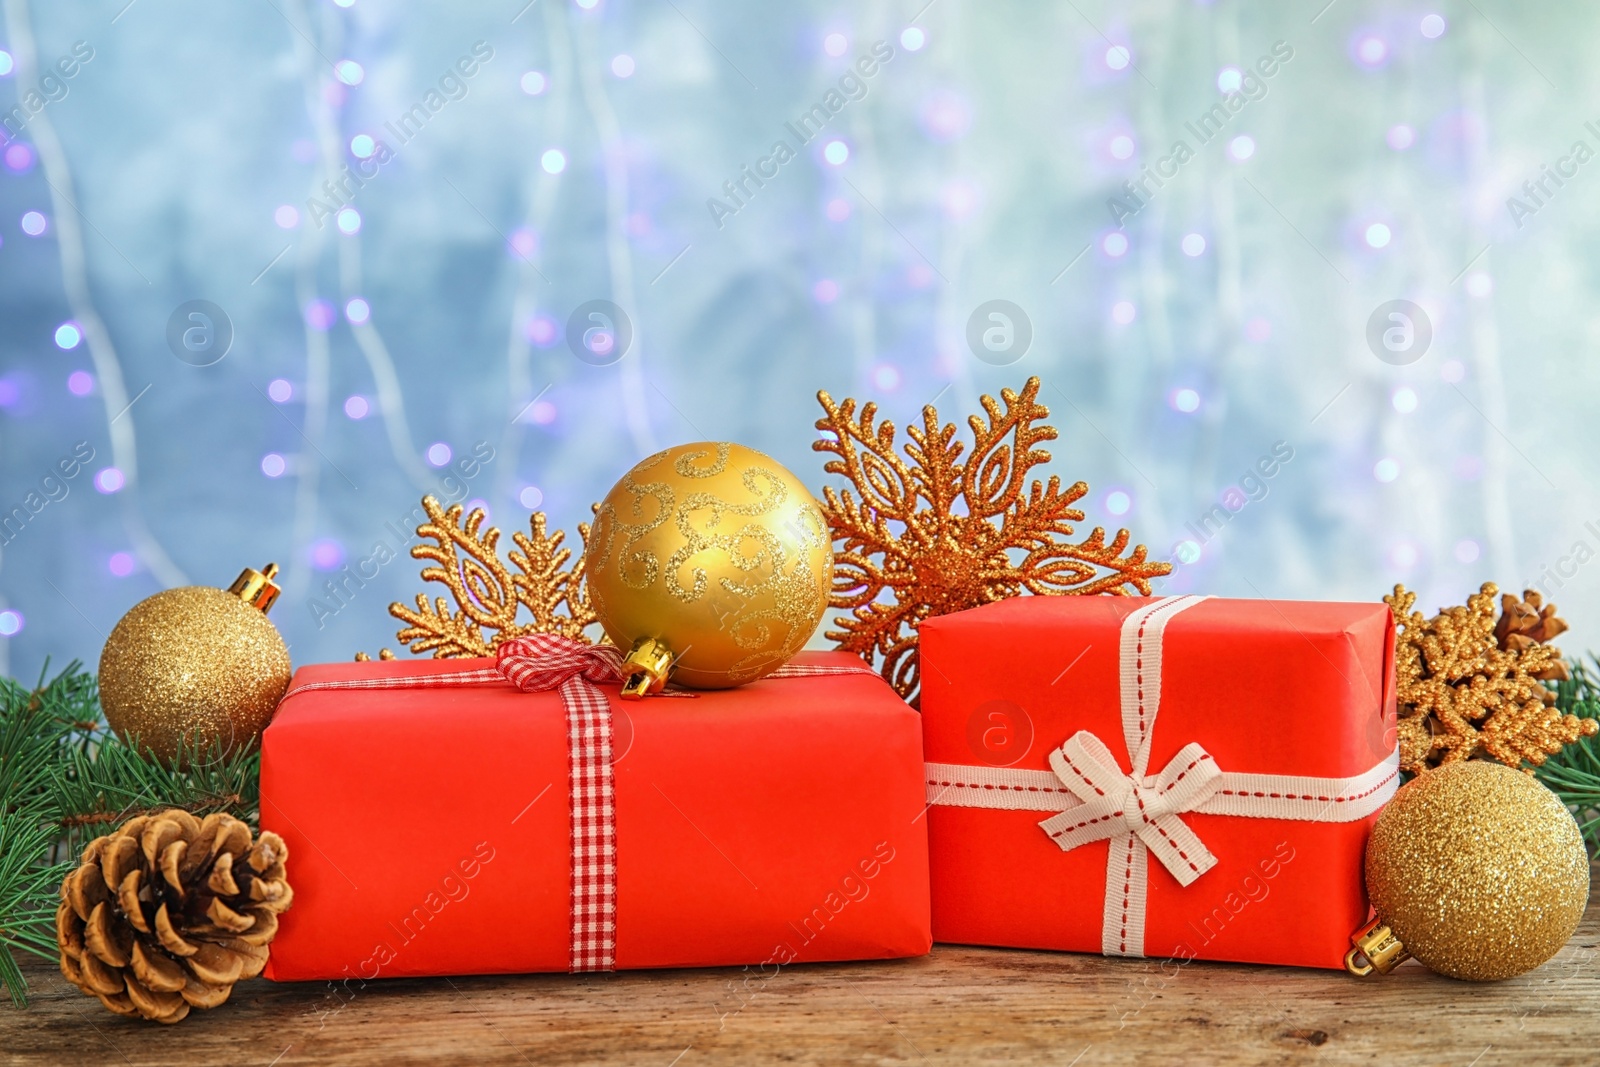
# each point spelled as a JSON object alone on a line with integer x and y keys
{"x": 1470, "y": 685}
{"x": 487, "y": 594}
{"x": 941, "y": 535}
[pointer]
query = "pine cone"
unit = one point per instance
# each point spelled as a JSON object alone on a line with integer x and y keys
{"x": 1528, "y": 622}
{"x": 168, "y": 912}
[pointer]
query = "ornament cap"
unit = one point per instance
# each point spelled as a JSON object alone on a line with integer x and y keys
{"x": 1375, "y": 948}
{"x": 646, "y": 668}
{"x": 257, "y": 588}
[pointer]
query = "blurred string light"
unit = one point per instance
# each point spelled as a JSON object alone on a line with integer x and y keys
{"x": 1184, "y": 400}
{"x": 541, "y": 330}
{"x": 1118, "y": 502}
{"x": 362, "y": 145}
{"x": 836, "y": 152}
{"x": 33, "y": 223}
{"x": 80, "y": 383}
{"x": 1433, "y": 27}
{"x": 438, "y": 453}
{"x": 1467, "y": 551}
{"x": 1123, "y": 312}
{"x": 554, "y": 161}
{"x": 7, "y": 64}
{"x": 1371, "y": 50}
{"x": 349, "y": 71}
{"x": 825, "y": 291}
{"x": 1452, "y": 370}
{"x": 273, "y": 465}
{"x": 835, "y": 44}
{"x": 838, "y": 209}
{"x": 287, "y": 216}
{"x": 320, "y": 314}
{"x": 1193, "y": 244}
{"x": 1229, "y": 80}
{"x": 622, "y": 66}
{"x": 1241, "y": 148}
{"x": 1377, "y": 235}
{"x": 109, "y": 480}
{"x": 1121, "y": 146}
{"x": 280, "y": 390}
{"x": 530, "y": 497}
{"x": 1401, "y": 137}
{"x": 19, "y": 157}
{"x": 1118, "y": 57}
{"x": 912, "y": 39}
{"x": 348, "y": 220}
{"x": 886, "y": 377}
{"x": 1386, "y": 469}
{"x": 1404, "y": 399}
{"x": 327, "y": 554}
{"x": 68, "y": 336}
{"x": 357, "y": 408}
{"x": 357, "y": 311}
{"x": 10, "y": 620}
{"x": 1480, "y": 284}
{"x": 1114, "y": 244}
{"x": 524, "y": 242}
{"x": 534, "y": 83}
{"x": 121, "y": 564}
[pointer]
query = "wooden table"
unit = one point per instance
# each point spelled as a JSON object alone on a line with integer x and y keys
{"x": 957, "y": 1006}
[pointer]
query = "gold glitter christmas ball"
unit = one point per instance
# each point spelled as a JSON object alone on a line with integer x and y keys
{"x": 711, "y": 562}
{"x": 197, "y": 665}
{"x": 1478, "y": 870}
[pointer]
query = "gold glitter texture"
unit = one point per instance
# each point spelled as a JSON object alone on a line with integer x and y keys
{"x": 969, "y": 533}
{"x": 193, "y": 663}
{"x": 718, "y": 551}
{"x": 1471, "y": 685}
{"x": 486, "y": 592}
{"x": 1479, "y": 870}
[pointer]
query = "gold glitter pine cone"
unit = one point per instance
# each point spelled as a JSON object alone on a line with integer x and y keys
{"x": 1478, "y": 870}
{"x": 1472, "y": 685}
{"x": 168, "y": 912}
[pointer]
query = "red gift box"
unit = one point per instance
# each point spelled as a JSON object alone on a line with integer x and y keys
{"x": 432, "y": 830}
{"x": 1185, "y": 777}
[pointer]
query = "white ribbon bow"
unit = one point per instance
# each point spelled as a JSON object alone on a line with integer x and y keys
{"x": 1116, "y": 803}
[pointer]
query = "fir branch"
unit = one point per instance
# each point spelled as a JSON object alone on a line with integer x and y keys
{"x": 29, "y": 889}
{"x": 95, "y": 792}
{"x": 1574, "y": 772}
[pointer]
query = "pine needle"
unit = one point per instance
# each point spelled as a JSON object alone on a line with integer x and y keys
{"x": 1574, "y": 772}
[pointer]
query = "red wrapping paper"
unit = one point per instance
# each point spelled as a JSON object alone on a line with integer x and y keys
{"x": 430, "y": 834}
{"x": 1269, "y": 687}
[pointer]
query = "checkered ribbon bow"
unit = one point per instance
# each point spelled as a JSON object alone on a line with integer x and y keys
{"x": 542, "y": 662}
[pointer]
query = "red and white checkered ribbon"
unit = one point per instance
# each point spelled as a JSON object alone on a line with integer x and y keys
{"x": 539, "y": 663}
{"x": 1094, "y": 799}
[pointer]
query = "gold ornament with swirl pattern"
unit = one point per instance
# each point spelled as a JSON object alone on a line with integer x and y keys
{"x": 709, "y": 562}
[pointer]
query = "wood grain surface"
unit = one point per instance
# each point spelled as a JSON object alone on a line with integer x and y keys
{"x": 957, "y": 1006}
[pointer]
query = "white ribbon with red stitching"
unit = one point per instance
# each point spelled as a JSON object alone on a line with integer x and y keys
{"x": 1094, "y": 799}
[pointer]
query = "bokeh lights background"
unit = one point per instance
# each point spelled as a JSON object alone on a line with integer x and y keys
{"x": 393, "y": 329}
